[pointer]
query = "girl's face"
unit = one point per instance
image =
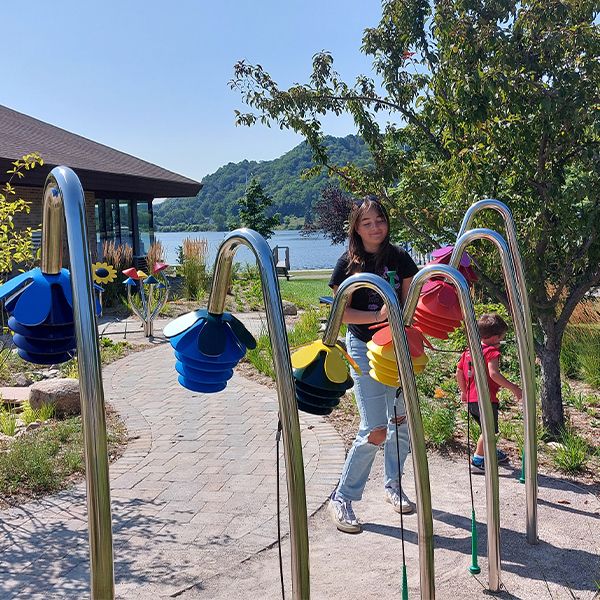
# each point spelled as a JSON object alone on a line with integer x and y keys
{"x": 372, "y": 229}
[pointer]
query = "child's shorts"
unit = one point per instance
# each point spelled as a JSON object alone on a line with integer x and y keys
{"x": 474, "y": 411}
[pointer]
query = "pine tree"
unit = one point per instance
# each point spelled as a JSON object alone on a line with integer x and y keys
{"x": 253, "y": 210}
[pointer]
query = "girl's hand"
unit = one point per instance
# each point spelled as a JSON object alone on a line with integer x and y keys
{"x": 381, "y": 314}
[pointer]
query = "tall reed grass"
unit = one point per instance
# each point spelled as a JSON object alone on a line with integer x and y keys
{"x": 155, "y": 254}
{"x": 580, "y": 351}
{"x": 193, "y": 268}
{"x": 120, "y": 256}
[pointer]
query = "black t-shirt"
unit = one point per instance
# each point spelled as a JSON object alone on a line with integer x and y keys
{"x": 398, "y": 260}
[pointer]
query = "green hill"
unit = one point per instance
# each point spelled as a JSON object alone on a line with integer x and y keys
{"x": 216, "y": 203}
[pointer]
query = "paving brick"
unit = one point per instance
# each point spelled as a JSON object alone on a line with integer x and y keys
{"x": 194, "y": 483}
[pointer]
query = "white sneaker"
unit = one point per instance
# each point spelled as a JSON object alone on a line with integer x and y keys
{"x": 343, "y": 516}
{"x": 400, "y": 503}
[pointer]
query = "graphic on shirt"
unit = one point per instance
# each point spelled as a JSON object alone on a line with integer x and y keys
{"x": 375, "y": 301}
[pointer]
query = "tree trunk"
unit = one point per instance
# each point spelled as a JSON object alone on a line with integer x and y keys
{"x": 553, "y": 416}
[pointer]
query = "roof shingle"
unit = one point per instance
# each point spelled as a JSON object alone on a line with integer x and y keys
{"x": 93, "y": 162}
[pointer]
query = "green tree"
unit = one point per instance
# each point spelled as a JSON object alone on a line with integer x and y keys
{"x": 15, "y": 244}
{"x": 482, "y": 98}
{"x": 253, "y": 210}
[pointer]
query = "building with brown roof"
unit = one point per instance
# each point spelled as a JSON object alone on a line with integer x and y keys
{"x": 119, "y": 188}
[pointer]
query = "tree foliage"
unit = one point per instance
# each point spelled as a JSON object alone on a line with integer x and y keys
{"x": 15, "y": 244}
{"x": 252, "y": 210}
{"x": 293, "y": 195}
{"x": 483, "y": 98}
{"x": 331, "y": 215}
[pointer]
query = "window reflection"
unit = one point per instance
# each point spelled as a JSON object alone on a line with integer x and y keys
{"x": 146, "y": 235}
{"x": 124, "y": 222}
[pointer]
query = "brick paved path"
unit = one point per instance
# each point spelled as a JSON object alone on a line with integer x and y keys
{"x": 192, "y": 497}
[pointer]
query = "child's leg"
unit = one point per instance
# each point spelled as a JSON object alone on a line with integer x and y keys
{"x": 479, "y": 450}
{"x": 473, "y": 409}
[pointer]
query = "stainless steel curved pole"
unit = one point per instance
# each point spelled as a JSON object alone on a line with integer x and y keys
{"x": 485, "y": 405}
{"x": 411, "y": 401}
{"x": 286, "y": 391}
{"x": 63, "y": 194}
{"x": 529, "y": 393}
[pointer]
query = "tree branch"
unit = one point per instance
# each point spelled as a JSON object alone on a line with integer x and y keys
{"x": 409, "y": 115}
{"x": 573, "y": 300}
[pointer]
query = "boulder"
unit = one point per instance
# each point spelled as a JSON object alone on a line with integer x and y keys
{"x": 289, "y": 308}
{"x": 63, "y": 393}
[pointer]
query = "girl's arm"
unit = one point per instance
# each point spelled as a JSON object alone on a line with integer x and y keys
{"x": 497, "y": 377}
{"x": 405, "y": 285}
{"x": 353, "y": 316}
{"x": 382, "y": 313}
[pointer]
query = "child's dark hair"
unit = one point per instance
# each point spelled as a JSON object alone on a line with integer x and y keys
{"x": 357, "y": 254}
{"x": 491, "y": 324}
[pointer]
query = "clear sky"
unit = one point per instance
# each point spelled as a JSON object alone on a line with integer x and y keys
{"x": 151, "y": 77}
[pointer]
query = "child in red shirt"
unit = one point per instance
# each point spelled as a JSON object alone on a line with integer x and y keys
{"x": 492, "y": 330}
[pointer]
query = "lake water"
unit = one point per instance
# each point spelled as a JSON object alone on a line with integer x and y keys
{"x": 313, "y": 252}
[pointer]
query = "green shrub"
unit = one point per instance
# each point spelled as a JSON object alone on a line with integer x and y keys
{"x": 306, "y": 330}
{"x": 43, "y": 413}
{"x": 42, "y": 461}
{"x": 572, "y": 398}
{"x": 569, "y": 362}
{"x": 439, "y": 422}
{"x": 573, "y": 453}
{"x": 8, "y": 422}
{"x": 262, "y": 356}
{"x": 109, "y": 352}
{"x": 28, "y": 466}
{"x": 590, "y": 358}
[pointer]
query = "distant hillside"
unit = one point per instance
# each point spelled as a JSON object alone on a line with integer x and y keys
{"x": 216, "y": 202}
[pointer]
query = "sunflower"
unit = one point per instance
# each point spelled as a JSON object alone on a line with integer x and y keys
{"x": 103, "y": 273}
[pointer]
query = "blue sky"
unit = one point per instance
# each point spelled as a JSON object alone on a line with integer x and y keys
{"x": 151, "y": 77}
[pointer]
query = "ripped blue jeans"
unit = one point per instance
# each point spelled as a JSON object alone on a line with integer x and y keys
{"x": 375, "y": 403}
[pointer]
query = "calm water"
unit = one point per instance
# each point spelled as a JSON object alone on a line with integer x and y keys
{"x": 314, "y": 252}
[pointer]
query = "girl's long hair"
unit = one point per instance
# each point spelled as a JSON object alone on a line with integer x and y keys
{"x": 357, "y": 254}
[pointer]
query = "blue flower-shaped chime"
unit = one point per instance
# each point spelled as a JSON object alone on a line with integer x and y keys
{"x": 40, "y": 309}
{"x": 207, "y": 348}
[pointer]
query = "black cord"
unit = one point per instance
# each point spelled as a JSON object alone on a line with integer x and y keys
{"x": 277, "y": 438}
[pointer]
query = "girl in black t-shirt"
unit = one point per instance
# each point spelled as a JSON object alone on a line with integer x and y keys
{"x": 370, "y": 251}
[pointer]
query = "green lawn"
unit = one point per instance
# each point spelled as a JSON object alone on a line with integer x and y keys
{"x": 304, "y": 293}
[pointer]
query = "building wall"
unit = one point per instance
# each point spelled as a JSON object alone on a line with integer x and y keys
{"x": 34, "y": 219}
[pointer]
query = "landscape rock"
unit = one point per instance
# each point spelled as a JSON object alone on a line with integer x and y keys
{"x": 21, "y": 380}
{"x": 63, "y": 393}
{"x": 289, "y": 308}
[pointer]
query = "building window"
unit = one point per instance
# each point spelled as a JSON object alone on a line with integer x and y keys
{"x": 145, "y": 229}
{"x": 124, "y": 222}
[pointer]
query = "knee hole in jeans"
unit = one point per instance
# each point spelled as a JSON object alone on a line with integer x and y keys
{"x": 377, "y": 436}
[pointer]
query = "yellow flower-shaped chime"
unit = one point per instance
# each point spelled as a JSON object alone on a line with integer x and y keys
{"x": 382, "y": 358}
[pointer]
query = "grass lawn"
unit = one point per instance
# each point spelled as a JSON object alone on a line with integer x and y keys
{"x": 304, "y": 293}
{"x": 50, "y": 458}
